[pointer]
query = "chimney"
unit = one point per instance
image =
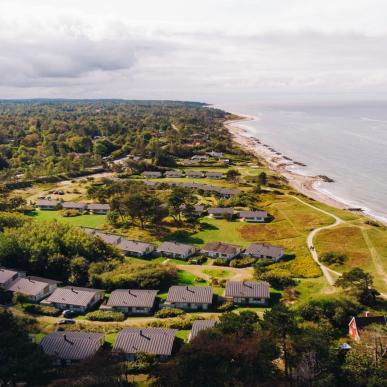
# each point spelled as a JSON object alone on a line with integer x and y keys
{"x": 72, "y": 289}
{"x": 142, "y": 335}
{"x": 189, "y": 290}
{"x": 132, "y": 294}
{"x": 66, "y": 339}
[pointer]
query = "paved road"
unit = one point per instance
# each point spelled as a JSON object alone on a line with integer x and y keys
{"x": 309, "y": 240}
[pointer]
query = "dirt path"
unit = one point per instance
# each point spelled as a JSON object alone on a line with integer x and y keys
{"x": 309, "y": 240}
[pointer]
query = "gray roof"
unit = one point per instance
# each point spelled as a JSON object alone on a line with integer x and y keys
{"x": 220, "y": 210}
{"x": 108, "y": 238}
{"x": 45, "y": 203}
{"x": 72, "y": 295}
{"x": 132, "y": 298}
{"x": 247, "y": 289}
{"x": 228, "y": 191}
{"x": 190, "y": 294}
{"x": 252, "y": 214}
{"x": 151, "y": 173}
{"x": 200, "y": 325}
{"x": 199, "y": 208}
{"x": 221, "y": 248}
{"x": 74, "y": 205}
{"x": 258, "y": 249}
{"x": 194, "y": 173}
{"x": 71, "y": 345}
{"x": 134, "y": 246}
{"x": 90, "y": 231}
{"x": 175, "y": 247}
{"x": 214, "y": 174}
{"x": 158, "y": 341}
{"x": 173, "y": 173}
{"x": 98, "y": 206}
{"x": 30, "y": 285}
{"x": 6, "y": 275}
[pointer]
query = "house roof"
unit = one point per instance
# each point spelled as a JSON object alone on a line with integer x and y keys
{"x": 134, "y": 246}
{"x": 247, "y": 289}
{"x": 222, "y": 248}
{"x": 6, "y": 275}
{"x": 362, "y": 322}
{"x": 173, "y": 173}
{"x": 30, "y": 285}
{"x": 265, "y": 249}
{"x": 151, "y": 173}
{"x": 175, "y": 247}
{"x": 252, "y": 214}
{"x": 221, "y": 210}
{"x": 200, "y": 325}
{"x": 199, "y": 208}
{"x": 71, "y": 345}
{"x": 132, "y": 298}
{"x": 190, "y": 294}
{"x": 108, "y": 238}
{"x": 74, "y": 205}
{"x": 72, "y": 295}
{"x": 158, "y": 341}
{"x": 50, "y": 203}
{"x": 228, "y": 191}
{"x": 98, "y": 206}
{"x": 194, "y": 173}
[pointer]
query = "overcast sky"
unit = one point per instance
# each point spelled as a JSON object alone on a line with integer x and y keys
{"x": 209, "y": 50}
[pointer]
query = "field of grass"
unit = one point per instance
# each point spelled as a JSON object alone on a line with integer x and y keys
{"x": 87, "y": 220}
{"x": 183, "y": 335}
{"x": 217, "y": 273}
{"x": 187, "y": 278}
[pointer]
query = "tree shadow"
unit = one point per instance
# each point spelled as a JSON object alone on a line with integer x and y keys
{"x": 32, "y": 214}
{"x": 288, "y": 257}
{"x": 274, "y": 299}
{"x": 208, "y": 226}
{"x": 183, "y": 237}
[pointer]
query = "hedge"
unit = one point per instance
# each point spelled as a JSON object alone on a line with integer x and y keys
{"x": 100, "y": 315}
{"x": 169, "y": 312}
{"x": 41, "y": 310}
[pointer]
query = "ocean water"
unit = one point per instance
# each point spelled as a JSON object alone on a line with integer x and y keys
{"x": 345, "y": 141}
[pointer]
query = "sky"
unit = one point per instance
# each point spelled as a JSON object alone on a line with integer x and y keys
{"x": 205, "y": 50}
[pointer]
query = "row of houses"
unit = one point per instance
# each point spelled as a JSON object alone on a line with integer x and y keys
{"x": 73, "y": 347}
{"x": 94, "y": 208}
{"x": 183, "y": 251}
{"x": 68, "y": 347}
{"x": 180, "y": 174}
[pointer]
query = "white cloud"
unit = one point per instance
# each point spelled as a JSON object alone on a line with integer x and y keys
{"x": 203, "y": 49}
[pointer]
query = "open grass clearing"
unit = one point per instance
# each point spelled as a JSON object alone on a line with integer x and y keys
{"x": 218, "y": 273}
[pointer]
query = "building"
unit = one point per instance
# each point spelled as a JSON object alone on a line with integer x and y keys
{"x": 176, "y": 250}
{"x": 221, "y": 250}
{"x": 227, "y": 193}
{"x": 110, "y": 239}
{"x": 74, "y": 298}
{"x": 265, "y": 250}
{"x": 7, "y": 276}
{"x": 194, "y": 174}
{"x": 357, "y": 324}
{"x": 69, "y": 347}
{"x": 200, "y": 325}
{"x": 221, "y": 212}
{"x": 74, "y": 206}
{"x": 98, "y": 208}
{"x": 214, "y": 175}
{"x": 199, "y": 210}
{"x": 156, "y": 341}
{"x": 253, "y": 216}
{"x": 247, "y": 292}
{"x": 189, "y": 297}
{"x": 215, "y": 154}
{"x": 34, "y": 288}
{"x": 131, "y": 301}
{"x": 135, "y": 248}
{"x": 200, "y": 158}
{"x": 173, "y": 174}
{"x": 48, "y": 204}
{"x": 152, "y": 174}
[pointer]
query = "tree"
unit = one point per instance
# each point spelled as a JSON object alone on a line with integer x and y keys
{"x": 281, "y": 322}
{"x": 242, "y": 324}
{"x": 180, "y": 201}
{"x": 359, "y": 283}
{"x": 20, "y": 359}
{"x": 232, "y": 175}
{"x": 19, "y": 298}
{"x": 262, "y": 179}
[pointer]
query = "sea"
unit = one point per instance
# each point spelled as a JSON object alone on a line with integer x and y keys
{"x": 346, "y": 141}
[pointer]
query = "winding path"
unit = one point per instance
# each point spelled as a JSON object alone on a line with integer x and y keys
{"x": 309, "y": 240}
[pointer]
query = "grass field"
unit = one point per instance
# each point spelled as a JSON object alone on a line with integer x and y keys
{"x": 217, "y": 273}
{"x": 87, "y": 220}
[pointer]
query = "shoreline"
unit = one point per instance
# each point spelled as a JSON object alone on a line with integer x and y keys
{"x": 283, "y": 165}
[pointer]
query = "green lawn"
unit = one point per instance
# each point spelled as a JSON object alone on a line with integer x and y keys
{"x": 110, "y": 338}
{"x": 217, "y": 273}
{"x": 37, "y": 337}
{"x": 183, "y": 334}
{"x": 186, "y": 278}
{"x": 87, "y": 220}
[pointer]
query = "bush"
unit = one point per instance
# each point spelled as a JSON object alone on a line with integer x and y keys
{"x": 169, "y": 312}
{"x": 221, "y": 262}
{"x": 242, "y": 262}
{"x": 218, "y": 282}
{"x": 333, "y": 258}
{"x": 200, "y": 279}
{"x": 42, "y": 310}
{"x": 197, "y": 260}
{"x": 226, "y": 307}
{"x": 183, "y": 322}
{"x": 100, "y": 315}
{"x": 278, "y": 278}
{"x": 69, "y": 213}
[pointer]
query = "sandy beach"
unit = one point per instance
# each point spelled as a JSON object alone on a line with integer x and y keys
{"x": 281, "y": 164}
